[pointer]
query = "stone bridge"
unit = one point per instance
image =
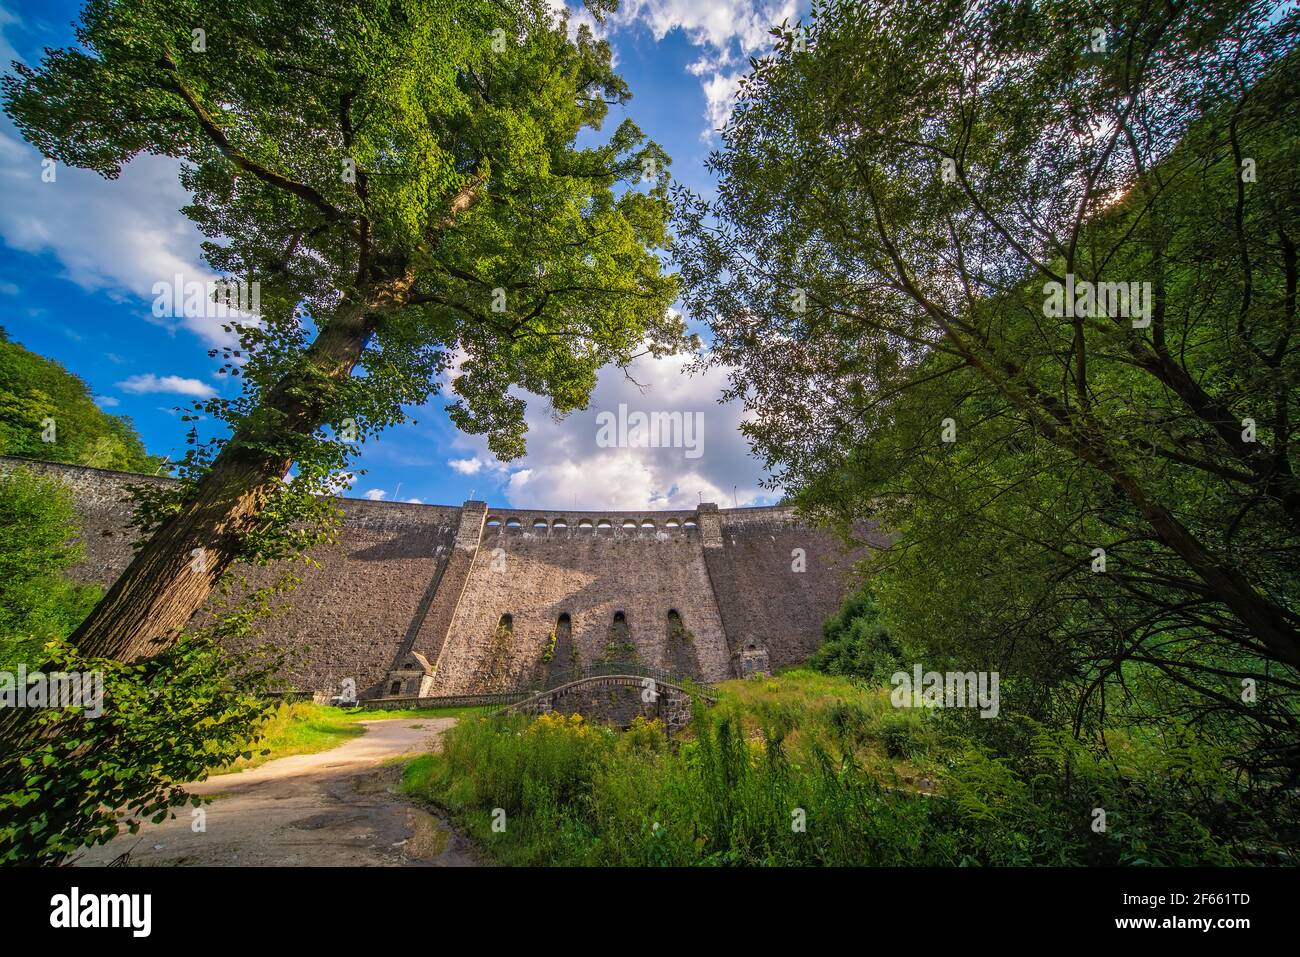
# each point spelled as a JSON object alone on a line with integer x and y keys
{"x": 616, "y": 699}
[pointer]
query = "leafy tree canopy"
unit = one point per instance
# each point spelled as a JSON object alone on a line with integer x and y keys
{"x": 330, "y": 146}
{"x": 1100, "y": 497}
{"x": 403, "y": 179}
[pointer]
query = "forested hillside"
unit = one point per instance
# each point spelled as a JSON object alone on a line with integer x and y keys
{"x": 48, "y": 413}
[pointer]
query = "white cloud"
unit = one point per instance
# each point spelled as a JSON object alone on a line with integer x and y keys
{"x": 717, "y": 23}
{"x": 413, "y": 501}
{"x": 119, "y": 237}
{"x": 566, "y": 468}
{"x": 470, "y": 466}
{"x": 148, "y": 382}
{"x": 107, "y": 401}
{"x": 719, "y": 101}
{"x": 727, "y": 31}
{"x": 7, "y": 52}
{"x": 375, "y": 494}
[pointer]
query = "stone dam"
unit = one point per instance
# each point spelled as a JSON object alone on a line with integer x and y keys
{"x": 432, "y": 600}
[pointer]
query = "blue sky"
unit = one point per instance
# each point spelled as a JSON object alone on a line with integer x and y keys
{"x": 79, "y": 257}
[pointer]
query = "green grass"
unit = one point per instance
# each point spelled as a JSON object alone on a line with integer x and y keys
{"x": 302, "y": 727}
{"x": 361, "y": 714}
{"x": 801, "y": 769}
{"x": 297, "y": 728}
{"x": 810, "y": 710}
{"x": 726, "y": 792}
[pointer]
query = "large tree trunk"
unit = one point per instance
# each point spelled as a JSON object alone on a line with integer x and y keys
{"x": 172, "y": 575}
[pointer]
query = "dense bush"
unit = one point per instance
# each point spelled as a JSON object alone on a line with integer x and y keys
{"x": 855, "y": 642}
{"x": 165, "y": 721}
{"x": 37, "y": 532}
{"x": 1169, "y": 782}
{"x": 799, "y": 770}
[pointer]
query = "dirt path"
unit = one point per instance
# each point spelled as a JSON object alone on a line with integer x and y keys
{"x": 337, "y": 807}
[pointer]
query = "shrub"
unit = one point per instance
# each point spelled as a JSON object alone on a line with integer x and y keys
{"x": 857, "y": 643}
{"x": 165, "y": 721}
{"x": 903, "y": 732}
{"x": 37, "y": 545}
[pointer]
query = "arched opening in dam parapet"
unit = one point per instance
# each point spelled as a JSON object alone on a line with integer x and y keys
{"x": 539, "y": 525}
{"x": 604, "y": 527}
{"x": 682, "y": 658}
{"x": 493, "y": 522}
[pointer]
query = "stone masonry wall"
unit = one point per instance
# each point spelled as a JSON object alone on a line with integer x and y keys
{"x": 761, "y": 598}
{"x": 437, "y": 580}
{"x": 536, "y": 574}
{"x": 350, "y": 618}
{"x": 619, "y": 705}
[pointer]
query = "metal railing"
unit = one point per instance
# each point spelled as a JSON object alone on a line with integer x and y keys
{"x": 598, "y": 669}
{"x": 622, "y": 669}
{"x": 554, "y": 679}
{"x": 485, "y": 701}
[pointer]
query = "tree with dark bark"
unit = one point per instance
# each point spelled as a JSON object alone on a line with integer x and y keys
{"x": 1019, "y": 280}
{"x": 402, "y": 180}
